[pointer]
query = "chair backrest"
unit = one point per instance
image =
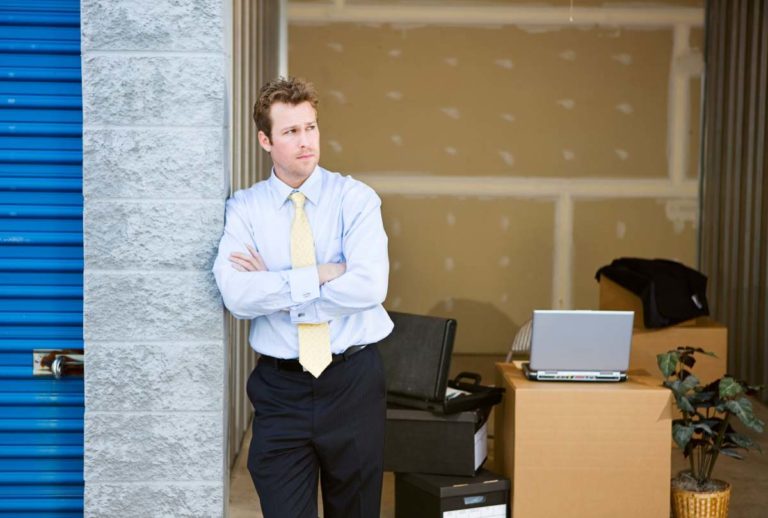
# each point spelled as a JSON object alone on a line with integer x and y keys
{"x": 522, "y": 341}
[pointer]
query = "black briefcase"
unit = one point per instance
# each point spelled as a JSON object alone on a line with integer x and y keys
{"x": 417, "y": 359}
{"x": 670, "y": 291}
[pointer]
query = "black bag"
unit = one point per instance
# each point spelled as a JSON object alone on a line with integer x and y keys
{"x": 417, "y": 358}
{"x": 671, "y": 292}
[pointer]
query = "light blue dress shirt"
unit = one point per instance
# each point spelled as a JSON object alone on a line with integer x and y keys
{"x": 345, "y": 217}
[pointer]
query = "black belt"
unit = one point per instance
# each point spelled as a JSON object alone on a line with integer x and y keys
{"x": 295, "y": 366}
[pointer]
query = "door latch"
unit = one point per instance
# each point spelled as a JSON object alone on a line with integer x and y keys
{"x": 57, "y": 362}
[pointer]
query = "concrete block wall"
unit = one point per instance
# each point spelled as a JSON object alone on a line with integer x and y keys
{"x": 155, "y": 169}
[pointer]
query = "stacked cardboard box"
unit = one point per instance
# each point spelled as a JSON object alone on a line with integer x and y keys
{"x": 647, "y": 343}
{"x": 584, "y": 449}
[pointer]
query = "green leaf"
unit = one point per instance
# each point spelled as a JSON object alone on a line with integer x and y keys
{"x": 689, "y": 383}
{"x": 715, "y": 423}
{"x": 676, "y": 388}
{"x": 729, "y": 388}
{"x": 668, "y": 362}
{"x": 756, "y": 425}
{"x": 750, "y": 420}
{"x": 701, "y": 427}
{"x": 703, "y": 400}
{"x": 685, "y": 405}
{"x": 732, "y": 453}
{"x": 742, "y": 408}
{"x": 746, "y": 403}
{"x": 677, "y": 391}
{"x": 682, "y": 434}
{"x": 708, "y": 353}
{"x": 742, "y": 441}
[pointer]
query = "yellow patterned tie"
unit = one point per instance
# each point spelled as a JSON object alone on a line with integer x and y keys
{"x": 314, "y": 339}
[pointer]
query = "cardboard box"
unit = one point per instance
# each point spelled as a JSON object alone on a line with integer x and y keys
{"x": 418, "y": 441}
{"x": 615, "y": 297}
{"x": 584, "y": 449}
{"x": 704, "y": 333}
{"x": 485, "y": 495}
{"x": 647, "y": 343}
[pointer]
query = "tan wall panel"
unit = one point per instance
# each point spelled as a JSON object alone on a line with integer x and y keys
{"x": 694, "y": 128}
{"x": 485, "y": 262}
{"x": 507, "y": 101}
{"x": 551, "y": 3}
{"x": 606, "y": 230}
{"x": 489, "y": 101}
{"x": 696, "y": 41}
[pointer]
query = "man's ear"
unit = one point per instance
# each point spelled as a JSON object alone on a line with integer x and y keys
{"x": 264, "y": 141}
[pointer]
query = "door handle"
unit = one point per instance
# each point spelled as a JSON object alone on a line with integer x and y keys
{"x": 57, "y": 362}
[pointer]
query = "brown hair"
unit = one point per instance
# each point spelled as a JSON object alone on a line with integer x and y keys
{"x": 291, "y": 91}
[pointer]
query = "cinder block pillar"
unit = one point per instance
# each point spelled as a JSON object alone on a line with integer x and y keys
{"x": 155, "y": 169}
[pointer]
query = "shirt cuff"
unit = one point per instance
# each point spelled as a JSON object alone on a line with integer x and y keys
{"x": 304, "y": 314}
{"x": 305, "y": 284}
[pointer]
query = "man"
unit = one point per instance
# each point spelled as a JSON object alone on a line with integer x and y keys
{"x": 304, "y": 256}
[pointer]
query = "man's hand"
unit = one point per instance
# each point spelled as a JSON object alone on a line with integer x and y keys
{"x": 247, "y": 263}
{"x": 329, "y": 271}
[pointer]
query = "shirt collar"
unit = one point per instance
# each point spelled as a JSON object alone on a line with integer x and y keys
{"x": 310, "y": 188}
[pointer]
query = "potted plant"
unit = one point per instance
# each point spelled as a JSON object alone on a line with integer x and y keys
{"x": 704, "y": 431}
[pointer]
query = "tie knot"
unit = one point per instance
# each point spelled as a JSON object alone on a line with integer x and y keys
{"x": 298, "y": 199}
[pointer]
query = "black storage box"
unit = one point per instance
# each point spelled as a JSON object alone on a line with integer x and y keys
{"x": 417, "y": 358}
{"x": 433, "y": 496}
{"x": 423, "y": 442}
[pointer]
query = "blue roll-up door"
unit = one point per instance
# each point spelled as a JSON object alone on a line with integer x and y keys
{"x": 41, "y": 257}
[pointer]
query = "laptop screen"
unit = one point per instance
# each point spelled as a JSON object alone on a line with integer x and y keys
{"x": 582, "y": 340}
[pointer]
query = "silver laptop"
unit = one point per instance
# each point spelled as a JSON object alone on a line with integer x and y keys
{"x": 580, "y": 345}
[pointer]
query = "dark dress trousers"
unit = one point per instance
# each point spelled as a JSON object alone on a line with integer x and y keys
{"x": 332, "y": 425}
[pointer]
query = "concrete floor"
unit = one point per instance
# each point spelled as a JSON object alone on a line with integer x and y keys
{"x": 749, "y": 478}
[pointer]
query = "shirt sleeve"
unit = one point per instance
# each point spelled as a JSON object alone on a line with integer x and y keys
{"x": 249, "y": 295}
{"x": 364, "y": 248}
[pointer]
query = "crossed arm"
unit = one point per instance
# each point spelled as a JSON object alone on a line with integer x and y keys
{"x": 253, "y": 262}
{"x": 312, "y": 294}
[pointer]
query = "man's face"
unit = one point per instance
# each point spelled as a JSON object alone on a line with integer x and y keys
{"x": 295, "y": 143}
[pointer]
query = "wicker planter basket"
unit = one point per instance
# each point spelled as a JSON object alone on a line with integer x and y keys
{"x": 690, "y": 504}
